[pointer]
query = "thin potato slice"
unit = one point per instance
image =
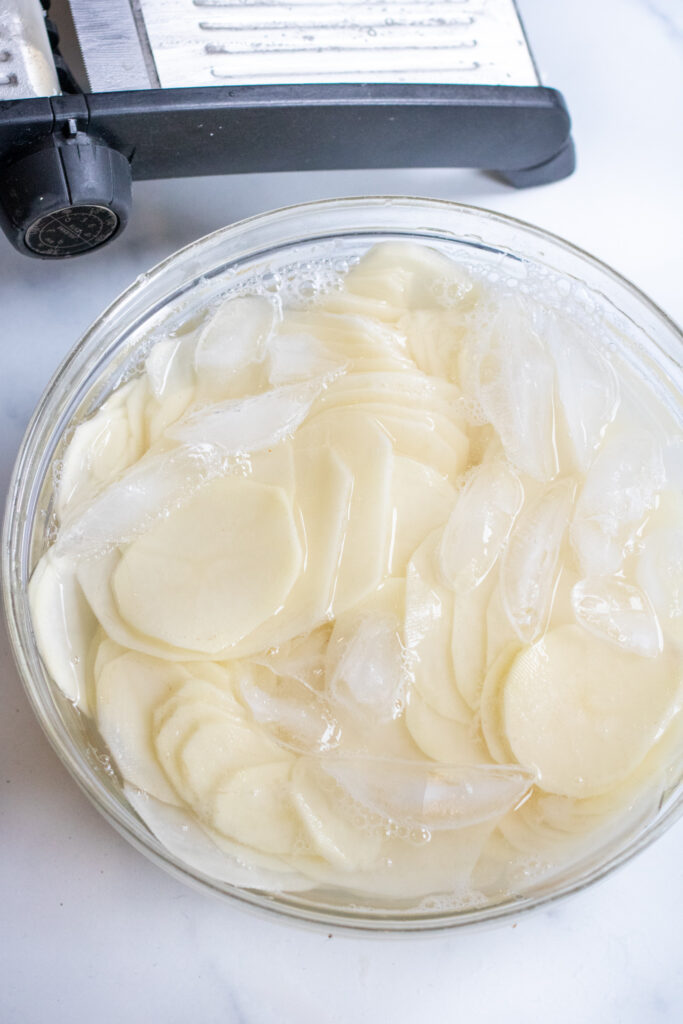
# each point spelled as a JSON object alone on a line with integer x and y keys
{"x": 214, "y": 570}
{"x": 583, "y": 713}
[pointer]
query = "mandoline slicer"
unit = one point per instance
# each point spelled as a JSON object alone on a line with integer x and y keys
{"x": 193, "y": 87}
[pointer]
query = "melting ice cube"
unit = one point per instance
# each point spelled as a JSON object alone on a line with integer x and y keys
{"x": 616, "y": 611}
{"x": 299, "y": 717}
{"x": 425, "y": 794}
{"x": 621, "y": 486}
{"x": 300, "y": 357}
{"x": 529, "y": 568}
{"x": 515, "y": 379}
{"x": 141, "y": 495}
{"x": 479, "y": 524}
{"x": 235, "y": 336}
{"x": 370, "y": 675}
{"x": 587, "y": 387}
{"x": 243, "y": 425}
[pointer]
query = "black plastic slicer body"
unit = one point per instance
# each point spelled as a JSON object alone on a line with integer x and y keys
{"x": 198, "y": 87}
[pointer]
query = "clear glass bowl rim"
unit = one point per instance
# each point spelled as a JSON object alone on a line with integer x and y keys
{"x": 342, "y": 217}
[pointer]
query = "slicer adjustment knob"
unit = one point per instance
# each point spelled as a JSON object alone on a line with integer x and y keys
{"x": 67, "y": 197}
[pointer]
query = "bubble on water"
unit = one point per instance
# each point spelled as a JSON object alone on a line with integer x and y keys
{"x": 271, "y": 282}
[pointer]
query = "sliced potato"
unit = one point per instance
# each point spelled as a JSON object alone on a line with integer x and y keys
{"x": 129, "y": 689}
{"x": 214, "y": 570}
{"x": 583, "y": 713}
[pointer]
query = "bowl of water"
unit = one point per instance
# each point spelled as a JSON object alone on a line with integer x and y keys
{"x": 343, "y": 563}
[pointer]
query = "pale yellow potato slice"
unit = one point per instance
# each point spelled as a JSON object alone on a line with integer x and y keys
{"x": 64, "y": 626}
{"x": 210, "y": 853}
{"x": 351, "y": 335}
{"x": 94, "y": 576}
{"x": 424, "y": 437}
{"x": 408, "y": 276}
{"x": 390, "y": 411}
{"x": 214, "y": 570}
{"x": 491, "y": 705}
{"x": 660, "y": 573}
{"x": 324, "y": 493}
{"x": 582, "y": 713}
{"x": 201, "y": 736}
{"x": 405, "y": 387}
{"x": 102, "y": 447}
{"x": 440, "y": 738}
{"x": 421, "y": 500}
{"x": 498, "y": 631}
{"x": 129, "y": 688}
{"x": 329, "y": 824}
{"x": 434, "y": 338}
{"x": 366, "y": 451}
{"x": 427, "y": 633}
{"x": 254, "y": 806}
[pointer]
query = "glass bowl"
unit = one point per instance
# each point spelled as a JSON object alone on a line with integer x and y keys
{"x": 113, "y": 349}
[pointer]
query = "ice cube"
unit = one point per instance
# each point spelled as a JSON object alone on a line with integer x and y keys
{"x": 302, "y": 658}
{"x": 243, "y": 425}
{"x": 621, "y": 486}
{"x": 529, "y": 568}
{"x": 514, "y": 379}
{"x": 300, "y": 357}
{"x": 424, "y": 794}
{"x": 616, "y": 611}
{"x": 297, "y": 716}
{"x": 480, "y": 524}
{"x": 587, "y": 387}
{"x": 169, "y": 366}
{"x": 146, "y": 491}
{"x": 370, "y": 675}
{"x": 235, "y": 336}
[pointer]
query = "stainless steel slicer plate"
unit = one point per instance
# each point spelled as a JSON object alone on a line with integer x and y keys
{"x": 175, "y": 43}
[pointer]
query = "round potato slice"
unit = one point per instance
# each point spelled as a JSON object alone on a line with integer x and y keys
{"x": 583, "y": 713}
{"x": 129, "y": 689}
{"x": 214, "y": 570}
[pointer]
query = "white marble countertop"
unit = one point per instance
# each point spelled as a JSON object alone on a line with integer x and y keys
{"x": 90, "y": 929}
